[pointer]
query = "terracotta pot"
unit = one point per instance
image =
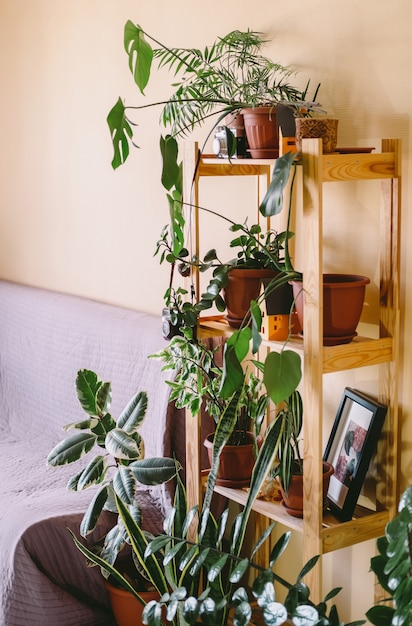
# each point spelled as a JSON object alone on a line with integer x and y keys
{"x": 126, "y": 608}
{"x": 262, "y": 132}
{"x": 343, "y": 297}
{"x": 243, "y": 286}
{"x": 236, "y": 462}
{"x": 293, "y": 500}
{"x": 312, "y": 127}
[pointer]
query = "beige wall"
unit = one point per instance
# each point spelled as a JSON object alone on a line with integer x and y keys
{"x": 68, "y": 222}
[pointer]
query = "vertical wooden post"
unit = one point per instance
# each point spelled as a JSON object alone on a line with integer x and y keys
{"x": 313, "y": 359}
{"x": 191, "y": 202}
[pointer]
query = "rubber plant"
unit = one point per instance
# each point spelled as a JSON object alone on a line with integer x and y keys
{"x": 118, "y": 464}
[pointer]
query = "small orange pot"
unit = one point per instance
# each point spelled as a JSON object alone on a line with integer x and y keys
{"x": 126, "y": 608}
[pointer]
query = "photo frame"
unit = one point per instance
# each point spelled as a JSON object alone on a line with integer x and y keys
{"x": 351, "y": 445}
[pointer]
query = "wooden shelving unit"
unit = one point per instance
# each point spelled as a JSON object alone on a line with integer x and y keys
{"x": 322, "y": 533}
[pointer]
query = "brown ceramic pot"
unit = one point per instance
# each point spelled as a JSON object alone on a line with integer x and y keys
{"x": 343, "y": 297}
{"x": 244, "y": 285}
{"x": 261, "y": 132}
{"x": 127, "y": 609}
{"x": 236, "y": 462}
{"x": 293, "y": 500}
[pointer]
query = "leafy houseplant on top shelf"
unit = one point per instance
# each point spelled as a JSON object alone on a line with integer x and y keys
{"x": 224, "y": 78}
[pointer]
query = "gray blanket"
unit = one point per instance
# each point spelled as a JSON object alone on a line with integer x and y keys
{"x": 45, "y": 338}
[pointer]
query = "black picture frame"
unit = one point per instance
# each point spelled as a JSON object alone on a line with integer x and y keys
{"x": 351, "y": 445}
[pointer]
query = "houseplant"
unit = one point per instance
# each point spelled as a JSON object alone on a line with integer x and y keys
{"x": 227, "y": 385}
{"x": 393, "y": 568}
{"x": 226, "y": 77}
{"x": 199, "y": 580}
{"x": 119, "y": 462}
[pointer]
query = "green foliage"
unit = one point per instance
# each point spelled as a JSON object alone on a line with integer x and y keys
{"x": 225, "y": 77}
{"x": 393, "y": 568}
{"x": 200, "y": 580}
{"x": 119, "y": 460}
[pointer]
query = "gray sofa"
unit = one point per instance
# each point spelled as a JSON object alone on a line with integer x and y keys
{"x": 45, "y": 338}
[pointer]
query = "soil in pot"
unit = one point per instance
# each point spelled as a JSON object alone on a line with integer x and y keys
{"x": 293, "y": 500}
{"x": 262, "y": 132}
{"x": 236, "y": 462}
{"x": 343, "y": 298}
{"x": 244, "y": 285}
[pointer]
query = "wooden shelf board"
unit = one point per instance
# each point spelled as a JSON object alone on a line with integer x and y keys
{"x": 340, "y": 167}
{"x": 360, "y": 352}
{"x": 365, "y": 525}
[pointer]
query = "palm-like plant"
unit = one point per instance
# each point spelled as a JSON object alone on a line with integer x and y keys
{"x": 225, "y": 77}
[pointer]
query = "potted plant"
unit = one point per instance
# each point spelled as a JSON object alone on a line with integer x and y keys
{"x": 199, "y": 579}
{"x": 288, "y": 469}
{"x": 230, "y": 390}
{"x": 393, "y": 568}
{"x": 118, "y": 464}
{"x": 227, "y": 77}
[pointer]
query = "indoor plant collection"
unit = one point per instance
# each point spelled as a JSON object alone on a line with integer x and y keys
{"x": 197, "y": 579}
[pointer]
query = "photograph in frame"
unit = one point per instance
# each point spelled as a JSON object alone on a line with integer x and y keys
{"x": 351, "y": 445}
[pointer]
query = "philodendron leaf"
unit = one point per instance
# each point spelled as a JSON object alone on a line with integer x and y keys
{"x": 93, "y": 474}
{"x": 272, "y": 203}
{"x": 154, "y": 470}
{"x": 121, "y": 445}
{"x": 282, "y": 374}
{"x": 71, "y": 449}
{"x": 170, "y": 169}
{"x": 120, "y": 132}
{"x": 134, "y": 413}
{"x": 140, "y": 54}
{"x": 380, "y": 615}
{"x": 89, "y": 521}
{"x": 233, "y": 374}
